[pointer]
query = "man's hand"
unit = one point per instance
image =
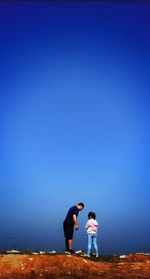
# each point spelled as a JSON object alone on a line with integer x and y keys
{"x": 75, "y": 222}
{"x": 77, "y": 227}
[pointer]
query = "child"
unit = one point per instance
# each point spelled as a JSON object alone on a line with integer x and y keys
{"x": 91, "y": 227}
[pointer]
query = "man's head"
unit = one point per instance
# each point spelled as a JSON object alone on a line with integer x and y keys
{"x": 80, "y": 206}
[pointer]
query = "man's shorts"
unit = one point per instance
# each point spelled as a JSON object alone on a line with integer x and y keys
{"x": 68, "y": 230}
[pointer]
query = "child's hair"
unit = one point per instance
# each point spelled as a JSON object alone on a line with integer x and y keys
{"x": 92, "y": 214}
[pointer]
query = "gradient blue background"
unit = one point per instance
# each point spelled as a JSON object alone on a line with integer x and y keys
{"x": 74, "y": 110}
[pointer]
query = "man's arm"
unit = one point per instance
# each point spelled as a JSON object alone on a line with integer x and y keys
{"x": 75, "y": 221}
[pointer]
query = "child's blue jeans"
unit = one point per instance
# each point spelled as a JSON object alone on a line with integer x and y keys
{"x": 92, "y": 239}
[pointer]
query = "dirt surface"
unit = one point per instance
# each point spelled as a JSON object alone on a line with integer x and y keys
{"x": 29, "y": 266}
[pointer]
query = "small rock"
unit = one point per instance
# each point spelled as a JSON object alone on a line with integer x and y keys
{"x": 122, "y": 256}
{"x": 13, "y": 252}
{"x": 101, "y": 273}
{"x": 84, "y": 260}
{"x": 79, "y": 252}
{"x": 52, "y": 252}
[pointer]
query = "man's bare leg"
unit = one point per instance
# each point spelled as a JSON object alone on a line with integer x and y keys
{"x": 67, "y": 247}
{"x": 70, "y": 244}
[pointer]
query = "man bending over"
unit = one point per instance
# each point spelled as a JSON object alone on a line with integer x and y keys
{"x": 68, "y": 225}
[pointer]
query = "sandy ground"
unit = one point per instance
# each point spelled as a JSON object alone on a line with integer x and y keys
{"x": 29, "y": 266}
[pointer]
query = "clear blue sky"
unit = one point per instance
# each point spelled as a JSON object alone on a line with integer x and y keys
{"x": 75, "y": 114}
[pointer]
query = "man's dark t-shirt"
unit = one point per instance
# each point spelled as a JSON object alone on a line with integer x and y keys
{"x": 72, "y": 211}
